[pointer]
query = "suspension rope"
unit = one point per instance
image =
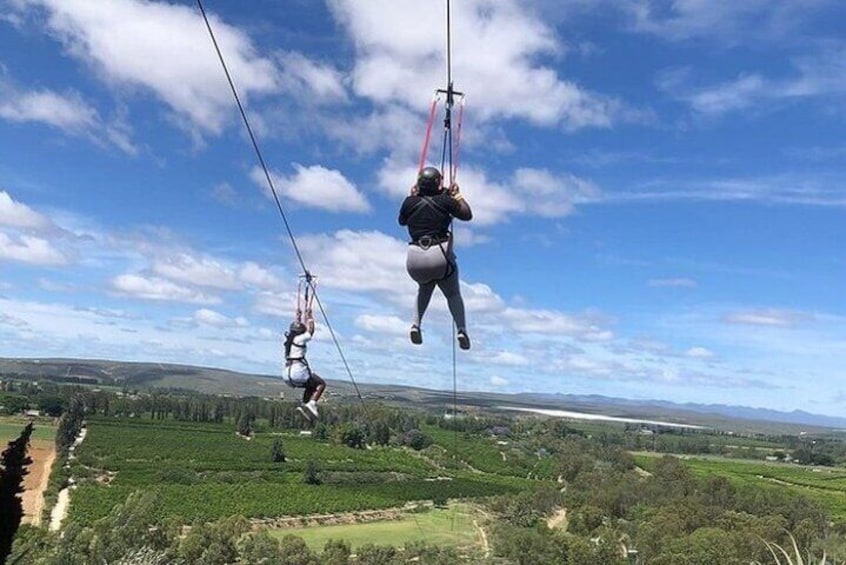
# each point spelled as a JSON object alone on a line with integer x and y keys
{"x": 448, "y": 150}
{"x": 279, "y": 207}
{"x": 428, "y": 135}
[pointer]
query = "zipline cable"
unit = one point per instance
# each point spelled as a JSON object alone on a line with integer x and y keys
{"x": 448, "y": 151}
{"x": 279, "y": 207}
{"x": 252, "y": 137}
{"x": 448, "y": 132}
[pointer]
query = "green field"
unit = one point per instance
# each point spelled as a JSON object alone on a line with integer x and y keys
{"x": 447, "y": 527}
{"x": 205, "y": 471}
{"x": 12, "y": 426}
{"x": 826, "y": 485}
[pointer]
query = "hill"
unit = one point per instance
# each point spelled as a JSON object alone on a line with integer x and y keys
{"x": 209, "y": 380}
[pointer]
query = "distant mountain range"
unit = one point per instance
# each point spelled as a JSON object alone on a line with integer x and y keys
{"x": 798, "y": 417}
{"x": 219, "y": 381}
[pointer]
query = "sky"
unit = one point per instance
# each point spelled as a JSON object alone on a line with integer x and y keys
{"x": 657, "y": 186}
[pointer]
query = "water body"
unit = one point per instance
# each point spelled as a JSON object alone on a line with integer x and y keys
{"x": 598, "y": 417}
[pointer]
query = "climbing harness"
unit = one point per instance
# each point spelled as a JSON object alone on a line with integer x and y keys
{"x": 306, "y": 290}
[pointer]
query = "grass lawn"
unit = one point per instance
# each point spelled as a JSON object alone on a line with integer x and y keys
{"x": 12, "y": 426}
{"x": 452, "y": 526}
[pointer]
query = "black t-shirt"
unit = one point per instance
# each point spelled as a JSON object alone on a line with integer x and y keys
{"x": 430, "y": 218}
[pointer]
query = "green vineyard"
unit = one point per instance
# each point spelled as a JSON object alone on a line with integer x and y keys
{"x": 206, "y": 472}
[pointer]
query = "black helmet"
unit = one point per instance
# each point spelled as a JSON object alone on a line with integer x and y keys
{"x": 297, "y": 328}
{"x": 429, "y": 181}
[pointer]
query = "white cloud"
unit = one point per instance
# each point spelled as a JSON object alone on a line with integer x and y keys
{"x": 200, "y": 271}
{"x": 225, "y": 194}
{"x": 584, "y": 365}
{"x": 767, "y": 317}
{"x": 384, "y": 325}
{"x": 304, "y": 75}
{"x": 255, "y": 275}
{"x": 152, "y": 288}
{"x": 509, "y": 358}
{"x": 740, "y": 93}
{"x": 735, "y": 95}
{"x": 7, "y": 320}
{"x": 550, "y": 195}
{"x": 497, "y": 51}
{"x": 316, "y": 187}
{"x": 728, "y": 22}
{"x": 31, "y": 250}
{"x": 358, "y": 261}
{"x": 554, "y": 322}
{"x": 481, "y": 298}
{"x": 66, "y": 112}
{"x": 819, "y": 74}
{"x": 527, "y": 191}
{"x": 820, "y": 189}
{"x": 678, "y": 282}
{"x": 378, "y": 130}
{"x": 498, "y": 381}
{"x": 699, "y": 353}
{"x": 491, "y": 202}
{"x": 60, "y": 330}
{"x": 163, "y": 49}
{"x": 282, "y": 305}
{"x": 215, "y": 319}
{"x": 18, "y": 215}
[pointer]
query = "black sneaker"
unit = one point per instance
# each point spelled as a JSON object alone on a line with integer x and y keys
{"x": 463, "y": 340}
{"x": 415, "y": 335}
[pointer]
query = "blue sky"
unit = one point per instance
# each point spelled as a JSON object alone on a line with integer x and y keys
{"x": 658, "y": 189}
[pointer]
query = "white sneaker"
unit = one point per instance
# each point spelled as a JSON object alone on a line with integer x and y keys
{"x": 311, "y": 405}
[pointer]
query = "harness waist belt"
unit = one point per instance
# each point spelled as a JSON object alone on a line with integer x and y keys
{"x": 429, "y": 240}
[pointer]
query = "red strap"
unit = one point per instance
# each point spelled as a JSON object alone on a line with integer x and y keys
{"x": 424, "y": 153}
{"x": 453, "y": 172}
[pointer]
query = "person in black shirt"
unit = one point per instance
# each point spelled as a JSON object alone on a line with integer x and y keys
{"x": 431, "y": 262}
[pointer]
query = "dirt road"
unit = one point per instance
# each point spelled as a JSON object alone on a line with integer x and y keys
{"x": 43, "y": 453}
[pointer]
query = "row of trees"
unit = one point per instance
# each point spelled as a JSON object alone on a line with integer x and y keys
{"x": 383, "y": 425}
{"x": 133, "y": 533}
{"x": 13, "y": 468}
{"x": 803, "y": 449}
{"x": 617, "y": 513}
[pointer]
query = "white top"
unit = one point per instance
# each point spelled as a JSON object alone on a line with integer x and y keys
{"x": 298, "y": 346}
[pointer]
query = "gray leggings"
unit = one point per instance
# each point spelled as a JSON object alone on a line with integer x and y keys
{"x": 433, "y": 266}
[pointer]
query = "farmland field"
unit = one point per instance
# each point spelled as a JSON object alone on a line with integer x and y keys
{"x": 12, "y": 426}
{"x": 446, "y": 527}
{"x": 42, "y": 451}
{"x": 206, "y": 471}
{"x": 826, "y": 485}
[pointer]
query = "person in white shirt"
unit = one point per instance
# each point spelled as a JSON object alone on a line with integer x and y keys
{"x": 297, "y": 371}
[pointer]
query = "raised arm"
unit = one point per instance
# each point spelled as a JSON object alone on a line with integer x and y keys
{"x": 309, "y": 321}
{"x": 463, "y": 211}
